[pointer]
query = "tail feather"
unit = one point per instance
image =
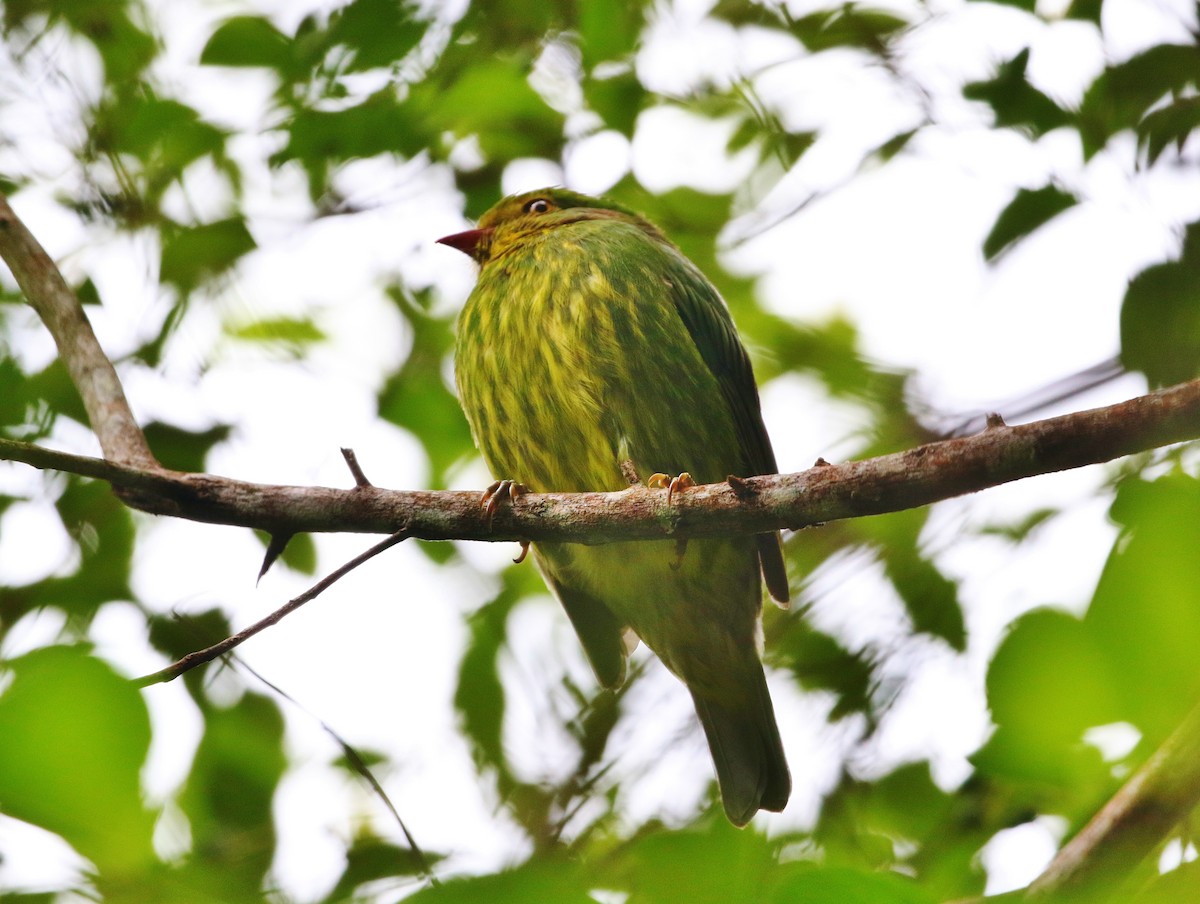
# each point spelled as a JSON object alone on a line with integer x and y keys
{"x": 747, "y": 751}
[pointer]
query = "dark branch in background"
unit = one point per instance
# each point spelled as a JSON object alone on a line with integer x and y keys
{"x": 1031, "y": 403}
{"x": 1158, "y": 796}
{"x": 92, "y": 373}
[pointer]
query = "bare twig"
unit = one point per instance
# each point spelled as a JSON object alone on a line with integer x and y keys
{"x": 92, "y": 373}
{"x": 208, "y": 654}
{"x": 360, "y": 477}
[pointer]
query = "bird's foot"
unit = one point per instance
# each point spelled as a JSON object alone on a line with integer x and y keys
{"x": 499, "y": 492}
{"x": 496, "y": 494}
{"x": 671, "y": 484}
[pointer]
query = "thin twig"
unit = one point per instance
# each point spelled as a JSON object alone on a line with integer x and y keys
{"x": 360, "y": 477}
{"x": 208, "y": 654}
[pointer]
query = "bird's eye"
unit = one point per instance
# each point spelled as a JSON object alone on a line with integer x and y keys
{"x": 537, "y": 205}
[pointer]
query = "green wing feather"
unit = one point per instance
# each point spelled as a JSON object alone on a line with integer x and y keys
{"x": 599, "y": 631}
{"x": 711, "y": 328}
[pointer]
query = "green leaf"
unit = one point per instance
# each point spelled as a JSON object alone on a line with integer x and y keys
{"x": 371, "y": 859}
{"x": 849, "y": 25}
{"x": 184, "y": 450}
{"x": 293, "y": 334}
{"x": 1020, "y": 530}
{"x": 87, "y": 293}
{"x": 1085, "y": 11}
{"x": 1179, "y": 886}
{"x": 930, "y": 598}
{"x": 416, "y": 396}
{"x": 1049, "y": 681}
{"x": 616, "y": 99}
{"x": 1024, "y": 5}
{"x": 234, "y": 833}
{"x": 1028, "y": 210}
{"x": 179, "y": 634}
{"x": 508, "y": 25}
{"x": 1121, "y": 95}
{"x": 479, "y": 697}
{"x": 1171, "y": 124}
{"x": 75, "y": 737}
{"x": 164, "y": 134}
{"x": 1144, "y": 614}
{"x": 741, "y": 12}
{"x": 831, "y": 885}
{"x": 1160, "y": 317}
{"x": 1016, "y": 103}
{"x": 191, "y": 255}
{"x": 907, "y": 803}
{"x": 747, "y": 131}
{"x": 103, "y": 531}
{"x": 54, "y": 387}
{"x": 247, "y": 41}
{"x": 125, "y": 49}
{"x": 609, "y": 30}
{"x": 515, "y": 121}
{"x": 553, "y": 881}
{"x": 819, "y": 662}
{"x": 1045, "y": 650}
{"x": 377, "y": 33}
{"x": 711, "y": 863}
{"x": 893, "y": 146}
{"x": 380, "y": 124}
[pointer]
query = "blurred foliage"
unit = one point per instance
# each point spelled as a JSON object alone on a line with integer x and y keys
{"x": 392, "y": 81}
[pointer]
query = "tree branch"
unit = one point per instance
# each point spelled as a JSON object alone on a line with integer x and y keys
{"x": 92, "y": 373}
{"x": 1156, "y": 798}
{"x": 889, "y": 483}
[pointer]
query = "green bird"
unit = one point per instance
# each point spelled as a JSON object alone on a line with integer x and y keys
{"x": 590, "y": 341}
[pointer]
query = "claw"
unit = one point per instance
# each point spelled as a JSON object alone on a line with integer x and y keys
{"x": 672, "y": 485}
{"x": 524, "y": 552}
{"x": 682, "y": 482}
{"x": 498, "y": 492}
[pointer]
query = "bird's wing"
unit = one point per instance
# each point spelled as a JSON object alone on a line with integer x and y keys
{"x": 600, "y": 632}
{"x": 711, "y": 328}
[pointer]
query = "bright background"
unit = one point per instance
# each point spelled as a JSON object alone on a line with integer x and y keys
{"x": 893, "y": 248}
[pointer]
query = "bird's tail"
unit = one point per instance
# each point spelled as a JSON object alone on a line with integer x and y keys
{"x": 747, "y": 751}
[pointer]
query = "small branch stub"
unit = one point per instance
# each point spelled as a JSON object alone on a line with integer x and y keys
{"x": 360, "y": 478}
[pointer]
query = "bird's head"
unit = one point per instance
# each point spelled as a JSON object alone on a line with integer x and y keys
{"x": 516, "y": 218}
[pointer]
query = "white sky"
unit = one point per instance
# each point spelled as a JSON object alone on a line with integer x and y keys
{"x": 897, "y": 251}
